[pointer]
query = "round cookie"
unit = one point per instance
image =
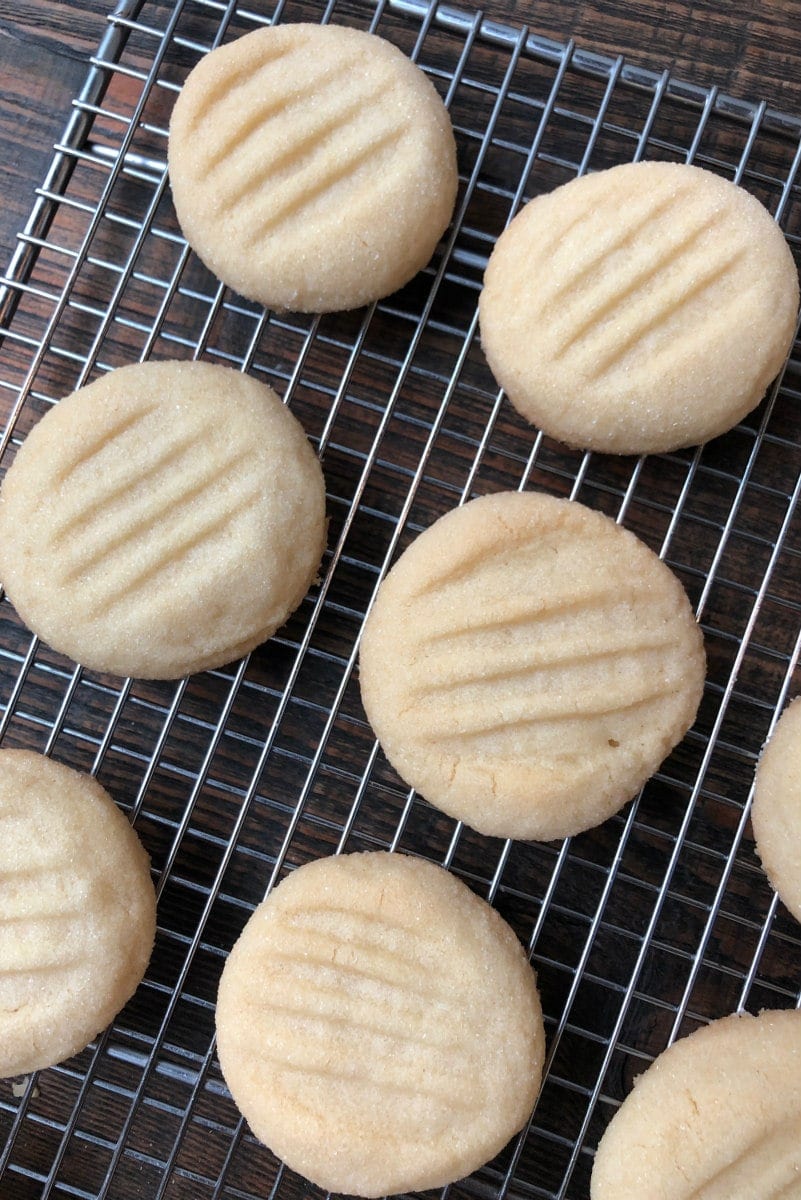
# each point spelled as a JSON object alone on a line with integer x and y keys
{"x": 716, "y": 1116}
{"x": 163, "y": 520}
{"x": 528, "y": 664}
{"x": 77, "y": 911}
{"x": 313, "y": 168}
{"x": 776, "y": 810}
{"x": 379, "y": 1025}
{"x": 639, "y": 309}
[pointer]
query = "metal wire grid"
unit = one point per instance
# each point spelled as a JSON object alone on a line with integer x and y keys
{"x": 659, "y": 920}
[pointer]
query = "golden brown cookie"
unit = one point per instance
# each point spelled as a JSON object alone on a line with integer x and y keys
{"x": 379, "y": 1025}
{"x": 639, "y": 309}
{"x": 163, "y": 520}
{"x": 717, "y": 1116}
{"x": 528, "y": 664}
{"x": 313, "y": 168}
{"x": 77, "y": 911}
{"x": 776, "y": 811}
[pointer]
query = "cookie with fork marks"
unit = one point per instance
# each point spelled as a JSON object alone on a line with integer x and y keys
{"x": 163, "y": 520}
{"x": 528, "y": 664}
{"x": 313, "y": 168}
{"x": 639, "y": 309}
{"x": 379, "y": 1025}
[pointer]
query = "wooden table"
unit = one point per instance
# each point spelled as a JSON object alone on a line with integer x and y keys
{"x": 751, "y": 49}
{"x": 660, "y": 917}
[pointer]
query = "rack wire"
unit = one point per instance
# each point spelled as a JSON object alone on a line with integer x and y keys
{"x": 640, "y": 930}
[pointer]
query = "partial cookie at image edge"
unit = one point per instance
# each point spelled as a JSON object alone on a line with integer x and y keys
{"x": 78, "y": 911}
{"x": 776, "y": 808}
{"x": 717, "y": 1114}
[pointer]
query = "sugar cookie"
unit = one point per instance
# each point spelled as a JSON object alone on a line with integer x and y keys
{"x": 165, "y": 519}
{"x": 717, "y": 1116}
{"x": 379, "y": 1025}
{"x": 776, "y": 811}
{"x": 313, "y": 168}
{"x": 77, "y": 911}
{"x": 528, "y": 664}
{"x": 639, "y": 309}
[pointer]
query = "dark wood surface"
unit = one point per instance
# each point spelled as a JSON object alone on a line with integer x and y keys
{"x": 752, "y": 50}
{"x": 200, "y": 789}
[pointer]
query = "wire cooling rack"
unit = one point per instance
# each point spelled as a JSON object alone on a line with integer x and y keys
{"x": 641, "y": 930}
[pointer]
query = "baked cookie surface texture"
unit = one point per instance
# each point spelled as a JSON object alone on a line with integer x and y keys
{"x": 313, "y": 168}
{"x": 165, "y": 519}
{"x": 717, "y": 1116}
{"x": 379, "y": 1025}
{"x": 528, "y": 664}
{"x": 776, "y": 810}
{"x": 77, "y": 911}
{"x": 639, "y": 309}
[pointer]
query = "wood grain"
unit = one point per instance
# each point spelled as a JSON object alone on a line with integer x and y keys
{"x": 407, "y": 428}
{"x": 751, "y": 50}
{"x": 44, "y": 48}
